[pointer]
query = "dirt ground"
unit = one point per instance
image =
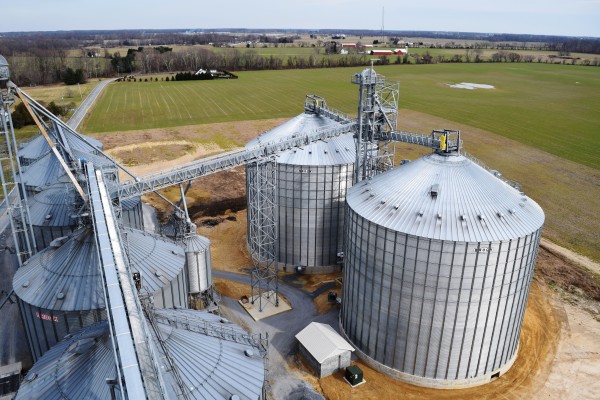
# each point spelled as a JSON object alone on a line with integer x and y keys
{"x": 228, "y": 243}
{"x": 228, "y": 288}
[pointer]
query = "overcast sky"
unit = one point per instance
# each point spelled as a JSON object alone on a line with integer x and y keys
{"x": 547, "y": 17}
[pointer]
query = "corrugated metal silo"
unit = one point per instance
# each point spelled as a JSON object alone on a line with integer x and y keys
{"x": 439, "y": 257}
{"x": 226, "y": 360}
{"x": 215, "y": 360}
{"x": 198, "y": 263}
{"x": 60, "y": 288}
{"x": 76, "y": 368}
{"x": 132, "y": 213}
{"x": 38, "y": 147}
{"x": 51, "y": 213}
{"x": 311, "y": 188}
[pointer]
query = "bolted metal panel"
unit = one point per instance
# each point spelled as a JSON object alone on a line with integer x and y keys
{"x": 418, "y": 297}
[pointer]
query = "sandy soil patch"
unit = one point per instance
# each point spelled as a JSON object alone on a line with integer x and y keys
{"x": 523, "y": 380}
{"x": 235, "y": 134}
{"x": 232, "y": 289}
{"x": 228, "y": 243}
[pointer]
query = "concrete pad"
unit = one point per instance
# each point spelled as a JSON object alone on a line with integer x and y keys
{"x": 269, "y": 309}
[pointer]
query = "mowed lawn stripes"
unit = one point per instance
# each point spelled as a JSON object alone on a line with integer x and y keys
{"x": 552, "y": 107}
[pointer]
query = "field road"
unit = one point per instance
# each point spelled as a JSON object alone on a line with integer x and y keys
{"x": 82, "y": 110}
{"x": 282, "y": 330}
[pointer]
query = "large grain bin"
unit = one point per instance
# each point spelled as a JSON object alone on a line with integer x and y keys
{"x": 311, "y": 188}
{"x": 38, "y": 146}
{"x": 439, "y": 257}
{"x": 60, "y": 289}
{"x": 215, "y": 359}
{"x": 76, "y": 368}
{"x": 52, "y": 213}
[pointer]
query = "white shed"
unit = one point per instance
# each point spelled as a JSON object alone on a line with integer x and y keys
{"x": 324, "y": 349}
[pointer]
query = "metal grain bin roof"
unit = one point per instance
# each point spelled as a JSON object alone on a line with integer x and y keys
{"x": 446, "y": 198}
{"x": 213, "y": 367}
{"x": 196, "y": 243}
{"x": 72, "y": 269}
{"x": 159, "y": 260}
{"x": 53, "y": 206}
{"x": 38, "y": 146}
{"x": 300, "y": 124}
{"x": 130, "y": 203}
{"x": 3, "y": 62}
{"x": 76, "y": 368}
{"x": 44, "y": 172}
{"x": 338, "y": 150}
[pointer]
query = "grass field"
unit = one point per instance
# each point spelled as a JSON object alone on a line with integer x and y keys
{"x": 552, "y": 107}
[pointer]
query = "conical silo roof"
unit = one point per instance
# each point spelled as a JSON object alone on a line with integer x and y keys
{"x": 196, "y": 243}
{"x": 38, "y": 146}
{"x": 76, "y": 368}
{"x": 213, "y": 365}
{"x": 53, "y": 206}
{"x": 130, "y": 203}
{"x": 44, "y": 172}
{"x": 337, "y": 150}
{"x": 300, "y": 124}
{"x": 159, "y": 260}
{"x": 67, "y": 277}
{"x": 446, "y": 197}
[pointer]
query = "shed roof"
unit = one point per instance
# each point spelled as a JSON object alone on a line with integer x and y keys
{"x": 322, "y": 341}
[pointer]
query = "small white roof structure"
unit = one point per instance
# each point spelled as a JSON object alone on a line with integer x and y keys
{"x": 322, "y": 341}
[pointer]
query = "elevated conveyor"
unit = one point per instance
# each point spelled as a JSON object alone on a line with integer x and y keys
{"x": 137, "y": 366}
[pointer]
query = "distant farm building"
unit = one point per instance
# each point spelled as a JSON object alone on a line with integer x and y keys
{"x": 379, "y": 52}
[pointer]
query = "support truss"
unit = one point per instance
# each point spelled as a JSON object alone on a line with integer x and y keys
{"x": 14, "y": 200}
{"x": 377, "y": 119}
{"x": 262, "y": 224}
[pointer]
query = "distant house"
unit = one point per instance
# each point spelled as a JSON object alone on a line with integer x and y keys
{"x": 213, "y": 72}
{"x": 324, "y": 349}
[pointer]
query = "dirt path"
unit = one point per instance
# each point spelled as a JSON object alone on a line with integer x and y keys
{"x": 571, "y": 256}
{"x": 198, "y": 151}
